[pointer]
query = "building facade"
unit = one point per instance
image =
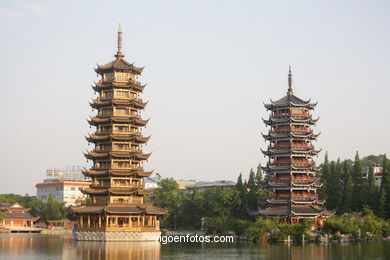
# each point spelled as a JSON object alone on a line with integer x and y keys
{"x": 291, "y": 170}
{"x": 207, "y": 185}
{"x": 116, "y": 208}
{"x": 65, "y": 185}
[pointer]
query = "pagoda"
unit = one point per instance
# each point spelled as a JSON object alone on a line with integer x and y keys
{"x": 291, "y": 171}
{"x": 115, "y": 209}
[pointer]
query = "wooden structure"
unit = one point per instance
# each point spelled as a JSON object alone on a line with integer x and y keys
{"x": 291, "y": 170}
{"x": 117, "y": 190}
{"x": 17, "y": 218}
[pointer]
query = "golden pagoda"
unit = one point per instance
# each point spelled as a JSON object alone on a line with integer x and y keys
{"x": 115, "y": 209}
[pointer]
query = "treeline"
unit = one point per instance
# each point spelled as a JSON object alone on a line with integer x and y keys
{"x": 346, "y": 189}
{"x": 52, "y": 210}
{"x": 186, "y": 209}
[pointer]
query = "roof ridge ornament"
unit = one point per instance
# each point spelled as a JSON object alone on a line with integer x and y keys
{"x": 119, "y": 53}
{"x": 289, "y": 91}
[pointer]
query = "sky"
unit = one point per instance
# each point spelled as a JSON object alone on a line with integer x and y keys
{"x": 209, "y": 65}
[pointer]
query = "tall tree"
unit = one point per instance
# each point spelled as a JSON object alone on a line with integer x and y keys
{"x": 371, "y": 190}
{"x": 240, "y": 185}
{"x": 347, "y": 186}
{"x": 323, "y": 192}
{"x": 333, "y": 200}
{"x": 357, "y": 179}
{"x": 259, "y": 176}
{"x": 251, "y": 192}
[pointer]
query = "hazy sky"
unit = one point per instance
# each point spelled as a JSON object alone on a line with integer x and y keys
{"x": 209, "y": 66}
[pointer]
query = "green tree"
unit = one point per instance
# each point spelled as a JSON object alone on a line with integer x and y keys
{"x": 323, "y": 192}
{"x": 371, "y": 190}
{"x": 347, "y": 186}
{"x": 259, "y": 176}
{"x": 252, "y": 189}
{"x": 53, "y": 210}
{"x": 168, "y": 195}
{"x": 357, "y": 179}
{"x": 333, "y": 189}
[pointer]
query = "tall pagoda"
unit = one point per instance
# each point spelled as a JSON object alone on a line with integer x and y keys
{"x": 291, "y": 171}
{"x": 116, "y": 209}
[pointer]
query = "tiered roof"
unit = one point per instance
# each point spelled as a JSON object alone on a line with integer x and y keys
{"x": 291, "y": 171}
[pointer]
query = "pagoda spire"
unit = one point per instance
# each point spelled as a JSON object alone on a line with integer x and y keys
{"x": 119, "y": 52}
{"x": 289, "y": 91}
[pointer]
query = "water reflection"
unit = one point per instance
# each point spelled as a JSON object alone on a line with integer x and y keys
{"x": 57, "y": 247}
{"x": 117, "y": 250}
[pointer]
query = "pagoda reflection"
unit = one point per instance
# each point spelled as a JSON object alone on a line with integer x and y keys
{"x": 117, "y": 250}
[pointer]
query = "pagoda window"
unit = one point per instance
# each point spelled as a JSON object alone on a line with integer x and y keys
{"x": 106, "y": 111}
{"x": 121, "y": 164}
{"x": 121, "y": 128}
{"x": 108, "y": 76}
{"x": 106, "y": 94}
{"x": 121, "y": 111}
{"x": 121, "y": 146}
{"x": 122, "y": 76}
{"x": 104, "y": 129}
{"x": 122, "y": 94}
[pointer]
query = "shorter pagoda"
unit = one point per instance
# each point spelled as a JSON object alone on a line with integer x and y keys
{"x": 116, "y": 209}
{"x": 291, "y": 171}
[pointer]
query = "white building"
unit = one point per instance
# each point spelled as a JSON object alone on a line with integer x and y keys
{"x": 64, "y": 184}
{"x": 378, "y": 171}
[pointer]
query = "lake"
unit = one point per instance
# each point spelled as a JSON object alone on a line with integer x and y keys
{"x": 57, "y": 247}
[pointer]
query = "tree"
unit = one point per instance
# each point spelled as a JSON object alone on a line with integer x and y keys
{"x": 53, "y": 210}
{"x": 251, "y": 201}
{"x": 259, "y": 176}
{"x": 347, "y": 186}
{"x": 323, "y": 192}
{"x": 333, "y": 189}
{"x": 168, "y": 195}
{"x": 240, "y": 185}
{"x": 371, "y": 190}
{"x": 357, "y": 179}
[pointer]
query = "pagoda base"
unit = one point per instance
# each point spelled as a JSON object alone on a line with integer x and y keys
{"x": 115, "y": 236}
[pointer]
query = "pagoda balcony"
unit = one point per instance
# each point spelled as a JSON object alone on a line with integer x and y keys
{"x": 116, "y": 131}
{"x": 295, "y": 147}
{"x": 127, "y": 185}
{"x": 288, "y": 114}
{"x": 294, "y": 179}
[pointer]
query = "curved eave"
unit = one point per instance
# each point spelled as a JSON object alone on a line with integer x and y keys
{"x": 118, "y": 137}
{"x": 90, "y": 191}
{"x": 100, "y": 155}
{"x": 116, "y": 119}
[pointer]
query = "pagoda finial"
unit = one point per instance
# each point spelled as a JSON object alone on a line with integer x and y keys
{"x": 119, "y": 52}
{"x": 289, "y": 91}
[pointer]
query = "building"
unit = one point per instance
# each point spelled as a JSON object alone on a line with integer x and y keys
{"x": 183, "y": 184}
{"x": 291, "y": 171}
{"x": 116, "y": 209}
{"x": 151, "y": 183}
{"x": 65, "y": 185}
{"x": 206, "y": 185}
{"x": 17, "y": 218}
{"x": 378, "y": 171}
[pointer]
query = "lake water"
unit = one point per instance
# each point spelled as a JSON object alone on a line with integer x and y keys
{"x": 57, "y": 247}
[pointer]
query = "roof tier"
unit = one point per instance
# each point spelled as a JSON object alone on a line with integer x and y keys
{"x": 287, "y": 152}
{"x": 272, "y": 121}
{"x": 138, "y": 121}
{"x": 130, "y": 172}
{"x": 135, "y": 208}
{"x": 289, "y": 101}
{"x": 134, "y": 85}
{"x": 135, "y": 102}
{"x": 135, "y": 138}
{"x": 118, "y": 64}
{"x": 137, "y": 155}
{"x": 271, "y": 136}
